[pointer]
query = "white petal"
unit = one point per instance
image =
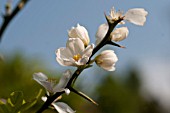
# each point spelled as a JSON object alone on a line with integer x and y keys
{"x": 67, "y": 91}
{"x": 136, "y": 16}
{"x": 65, "y": 62}
{"x": 48, "y": 86}
{"x": 79, "y": 32}
{"x": 108, "y": 65}
{"x": 106, "y": 60}
{"x": 88, "y": 51}
{"x": 119, "y": 34}
{"x": 44, "y": 98}
{"x": 86, "y": 54}
{"x": 115, "y": 15}
{"x": 62, "y": 107}
{"x": 63, "y": 56}
{"x": 43, "y": 80}
{"x": 101, "y": 32}
{"x": 40, "y": 77}
{"x": 75, "y": 45}
{"x": 63, "y": 81}
{"x": 64, "y": 53}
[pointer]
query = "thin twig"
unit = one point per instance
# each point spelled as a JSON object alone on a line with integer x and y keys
{"x": 8, "y": 18}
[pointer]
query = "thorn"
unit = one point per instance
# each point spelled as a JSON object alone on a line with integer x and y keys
{"x": 115, "y": 44}
{"x": 122, "y": 47}
{"x": 107, "y": 18}
{"x": 83, "y": 95}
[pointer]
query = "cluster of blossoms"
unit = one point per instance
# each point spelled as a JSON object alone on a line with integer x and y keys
{"x": 78, "y": 52}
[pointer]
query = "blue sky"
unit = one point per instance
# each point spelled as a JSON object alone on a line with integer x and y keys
{"x": 41, "y": 27}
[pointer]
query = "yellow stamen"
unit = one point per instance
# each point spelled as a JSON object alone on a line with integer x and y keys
{"x": 77, "y": 57}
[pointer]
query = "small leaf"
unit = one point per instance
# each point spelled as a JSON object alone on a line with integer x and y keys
{"x": 39, "y": 94}
{"x": 16, "y": 98}
{"x": 31, "y": 103}
{"x": 28, "y": 105}
{"x": 15, "y": 101}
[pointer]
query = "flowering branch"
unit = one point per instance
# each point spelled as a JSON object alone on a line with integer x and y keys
{"x": 106, "y": 39}
{"x": 79, "y": 70}
{"x": 10, "y": 15}
{"x": 78, "y": 53}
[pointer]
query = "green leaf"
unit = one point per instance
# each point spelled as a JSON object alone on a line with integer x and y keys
{"x": 15, "y": 101}
{"x": 28, "y": 105}
{"x": 31, "y": 103}
{"x": 39, "y": 94}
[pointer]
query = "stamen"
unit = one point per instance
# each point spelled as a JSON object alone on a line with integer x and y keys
{"x": 77, "y": 57}
{"x": 52, "y": 80}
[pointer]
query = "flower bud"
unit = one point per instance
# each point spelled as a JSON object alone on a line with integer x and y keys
{"x": 107, "y": 60}
{"x": 119, "y": 34}
{"x": 79, "y": 32}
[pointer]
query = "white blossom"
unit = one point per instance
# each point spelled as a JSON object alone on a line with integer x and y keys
{"x": 75, "y": 54}
{"x": 107, "y": 60}
{"x": 115, "y": 15}
{"x": 136, "y": 16}
{"x": 79, "y": 32}
{"x": 50, "y": 84}
{"x": 119, "y": 34}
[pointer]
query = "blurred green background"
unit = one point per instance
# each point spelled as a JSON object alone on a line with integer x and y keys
{"x": 114, "y": 93}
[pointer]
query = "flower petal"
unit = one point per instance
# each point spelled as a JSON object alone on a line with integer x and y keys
{"x": 43, "y": 80}
{"x": 136, "y": 16}
{"x": 40, "y": 77}
{"x": 44, "y": 98}
{"x": 79, "y": 32}
{"x": 75, "y": 45}
{"x": 115, "y": 15}
{"x": 61, "y": 107}
{"x": 67, "y": 91}
{"x": 107, "y": 60}
{"x": 88, "y": 51}
{"x": 101, "y": 32}
{"x": 63, "y": 56}
{"x": 119, "y": 34}
{"x": 63, "y": 81}
{"x": 86, "y": 54}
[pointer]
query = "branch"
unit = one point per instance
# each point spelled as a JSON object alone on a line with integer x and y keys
{"x": 52, "y": 98}
{"x": 8, "y": 18}
{"x": 49, "y": 101}
{"x": 80, "y": 69}
{"x": 106, "y": 39}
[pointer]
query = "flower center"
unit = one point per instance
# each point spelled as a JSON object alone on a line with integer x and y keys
{"x": 77, "y": 57}
{"x": 51, "y": 80}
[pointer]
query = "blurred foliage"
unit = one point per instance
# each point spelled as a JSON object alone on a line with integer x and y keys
{"x": 112, "y": 94}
